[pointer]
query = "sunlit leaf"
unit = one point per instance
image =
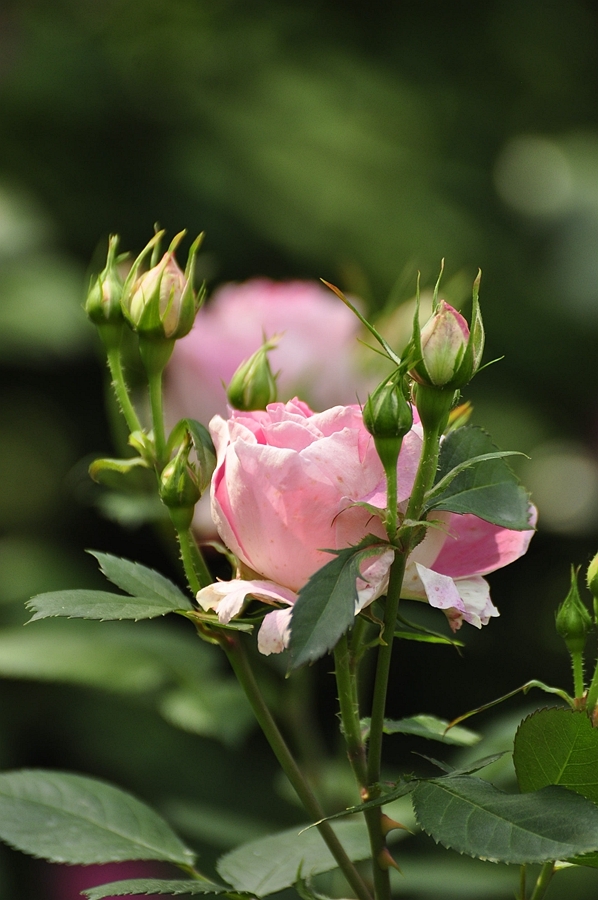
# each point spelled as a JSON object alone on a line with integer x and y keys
{"x": 100, "y": 605}
{"x": 144, "y": 886}
{"x": 271, "y": 864}
{"x": 139, "y": 581}
{"x": 68, "y": 818}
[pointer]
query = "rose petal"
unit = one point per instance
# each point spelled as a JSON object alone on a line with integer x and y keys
{"x": 228, "y": 597}
{"x": 462, "y": 599}
{"x": 275, "y": 631}
{"x": 374, "y": 578}
{"x": 476, "y": 547}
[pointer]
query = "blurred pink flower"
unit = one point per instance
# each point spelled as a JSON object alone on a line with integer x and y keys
{"x": 284, "y": 490}
{"x": 315, "y": 355}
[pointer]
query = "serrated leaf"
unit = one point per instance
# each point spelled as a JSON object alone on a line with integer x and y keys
{"x": 326, "y": 605}
{"x": 67, "y": 818}
{"x": 429, "y": 727}
{"x": 144, "y": 886}
{"x": 558, "y": 746}
{"x": 140, "y": 581}
{"x": 487, "y": 489}
{"x": 99, "y": 605}
{"x": 471, "y": 816}
{"x": 271, "y": 864}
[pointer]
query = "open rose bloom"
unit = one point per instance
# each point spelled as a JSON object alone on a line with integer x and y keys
{"x": 285, "y": 490}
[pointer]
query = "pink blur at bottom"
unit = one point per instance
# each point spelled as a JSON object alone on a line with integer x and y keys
{"x": 67, "y": 882}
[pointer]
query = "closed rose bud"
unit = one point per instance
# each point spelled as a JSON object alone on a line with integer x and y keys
{"x": 253, "y": 386}
{"x": 388, "y": 417}
{"x": 103, "y": 300}
{"x": 448, "y": 352}
{"x": 179, "y": 488}
{"x": 161, "y": 304}
{"x": 573, "y": 621}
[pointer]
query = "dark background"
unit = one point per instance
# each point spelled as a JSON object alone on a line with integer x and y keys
{"x": 357, "y": 143}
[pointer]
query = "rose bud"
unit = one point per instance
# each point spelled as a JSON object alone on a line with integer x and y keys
{"x": 161, "y": 304}
{"x": 573, "y": 621}
{"x": 253, "y": 386}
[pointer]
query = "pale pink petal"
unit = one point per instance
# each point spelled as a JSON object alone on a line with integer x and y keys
{"x": 475, "y": 594}
{"x": 441, "y": 590}
{"x": 227, "y": 597}
{"x": 475, "y": 547}
{"x": 463, "y": 599}
{"x": 275, "y": 631}
{"x": 374, "y": 579}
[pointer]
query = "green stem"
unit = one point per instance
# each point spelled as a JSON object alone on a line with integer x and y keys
{"x": 196, "y": 571}
{"x": 240, "y": 664}
{"x": 425, "y": 473}
{"x": 592, "y": 698}
{"x": 346, "y": 680}
{"x": 423, "y": 481}
{"x": 155, "y": 393}
{"x": 544, "y": 879}
{"x": 577, "y": 664}
{"x": 522, "y": 881}
{"x": 121, "y": 390}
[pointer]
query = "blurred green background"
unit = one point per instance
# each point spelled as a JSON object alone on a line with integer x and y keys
{"x": 330, "y": 138}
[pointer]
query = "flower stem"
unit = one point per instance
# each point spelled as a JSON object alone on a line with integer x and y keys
{"x": 120, "y": 388}
{"x": 196, "y": 571}
{"x": 234, "y": 649}
{"x": 346, "y": 680}
{"x": 155, "y": 393}
{"x": 543, "y": 881}
{"x": 522, "y": 882}
{"x": 577, "y": 664}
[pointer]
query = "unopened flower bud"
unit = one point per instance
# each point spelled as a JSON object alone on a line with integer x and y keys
{"x": 573, "y": 621}
{"x": 103, "y": 303}
{"x": 161, "y": 304}
{"x": 179, "y": 488}
{"x": 253, "y": 386}
{"x": 448, "y": 352}
{"x": 388, "y": 417}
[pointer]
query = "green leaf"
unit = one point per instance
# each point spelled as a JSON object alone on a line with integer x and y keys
{"x": 85, "y": 604}
{"x": 271, "y": 864}
{"x": 213, "y": 709}
{"x": 122, "y": 474}
{"x": 66, "y": 654}
{"x": 139, "y": 581}
{"x": 145, "y": 886}
{"x": 429, "y": 727}
{"x": 68, "y": 818}
{"x": 472, "y": 816}
{"x": 558, "y": 746}
{"x": 487, "y": 489}
{"x": 425, "y": 638}
{"x": 326, "y": 605}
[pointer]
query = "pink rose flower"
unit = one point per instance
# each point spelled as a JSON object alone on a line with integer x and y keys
{"x": 285, "y": 489}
